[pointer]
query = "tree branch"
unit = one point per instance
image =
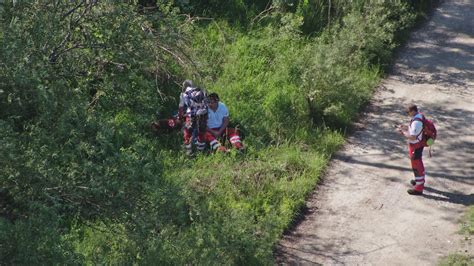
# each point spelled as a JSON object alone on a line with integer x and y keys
{"x": 72, "y": 10}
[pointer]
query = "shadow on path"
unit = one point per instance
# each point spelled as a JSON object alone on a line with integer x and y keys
{"x": 465, "y": 179}
{"x": 455, "y": 198}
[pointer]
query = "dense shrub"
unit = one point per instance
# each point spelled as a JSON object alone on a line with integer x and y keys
{"x": 344, "y": 63}
{"x": 84, "y": 181}
{"x": 78, "y": 85}
{"x": 279, "y": 81}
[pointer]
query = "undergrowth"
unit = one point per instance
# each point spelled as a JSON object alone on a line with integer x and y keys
{"x": 84, "y": 181}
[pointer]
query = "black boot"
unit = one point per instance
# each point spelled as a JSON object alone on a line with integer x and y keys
{"x": 412, "y": 191}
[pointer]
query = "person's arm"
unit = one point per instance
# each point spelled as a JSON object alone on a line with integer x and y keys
{"x": 218, "y": 132}
{"x": 407, "y": 135}
{"x": 411, "y": 134}
{"x": 403, "y": 127}
{"x": 225, "y": 123}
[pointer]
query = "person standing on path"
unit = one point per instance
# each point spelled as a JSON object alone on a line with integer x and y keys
{"x": 414, "y": 134}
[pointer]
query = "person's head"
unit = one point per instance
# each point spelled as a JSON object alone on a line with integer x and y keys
{"x": 213, "y": 100}
{"x": 411, "y": 110}
{"x": 187, "y": 83}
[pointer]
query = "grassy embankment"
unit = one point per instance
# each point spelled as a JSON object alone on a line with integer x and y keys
{"x": 294, "y": 96}
{"x": 86, "y": 182}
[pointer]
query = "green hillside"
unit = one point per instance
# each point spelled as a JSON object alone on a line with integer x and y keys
{"x": 84, "y": 180}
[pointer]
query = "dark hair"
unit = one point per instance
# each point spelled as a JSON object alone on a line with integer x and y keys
{"x": 213, "y": 96}
{"x": 412, "y": 107}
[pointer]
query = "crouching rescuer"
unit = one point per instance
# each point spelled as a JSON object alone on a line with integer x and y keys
{"x": 192, "y": 106}
{"x": 217, "y": 125}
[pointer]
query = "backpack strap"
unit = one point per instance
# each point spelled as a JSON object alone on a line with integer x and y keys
{"x": 422, "y": 122}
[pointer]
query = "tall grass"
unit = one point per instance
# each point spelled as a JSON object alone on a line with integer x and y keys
{"x": 292, "y": 94}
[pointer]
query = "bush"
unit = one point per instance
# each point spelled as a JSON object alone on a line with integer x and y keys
{"x": 36, "y": 240}
{"x": 345, "y": 62}
{"x": 83, "y": 179}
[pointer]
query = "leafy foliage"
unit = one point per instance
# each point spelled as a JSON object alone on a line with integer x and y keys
{"x": 78, "y": 84}
{"x": 83, "y": 180}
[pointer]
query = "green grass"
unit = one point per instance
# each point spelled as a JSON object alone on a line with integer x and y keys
{"x": 97, "y": 188}
{"x": 467, "y": 226}
{"x": 457, "y": 260}
{"x": 293, "y": 97}
{"x": 246, "y": 202}
{"x": 467, "y": 229}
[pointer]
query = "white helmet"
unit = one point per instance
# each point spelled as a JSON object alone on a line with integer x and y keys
{"x": 187, "y": 83}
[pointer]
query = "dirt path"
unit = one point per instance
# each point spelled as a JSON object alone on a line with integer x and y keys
{"x": 361, "y": 213}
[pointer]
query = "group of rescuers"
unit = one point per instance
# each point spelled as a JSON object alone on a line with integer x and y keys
{"x": 206, "y": 119}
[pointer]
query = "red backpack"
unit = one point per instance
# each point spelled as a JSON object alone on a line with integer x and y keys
{"x": 429, "y": 131}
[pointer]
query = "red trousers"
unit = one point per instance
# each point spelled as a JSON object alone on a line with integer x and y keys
{"x": 230, "y": 134}
{"x": 190, "y": 125}
{"x": 416, "y": 160}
